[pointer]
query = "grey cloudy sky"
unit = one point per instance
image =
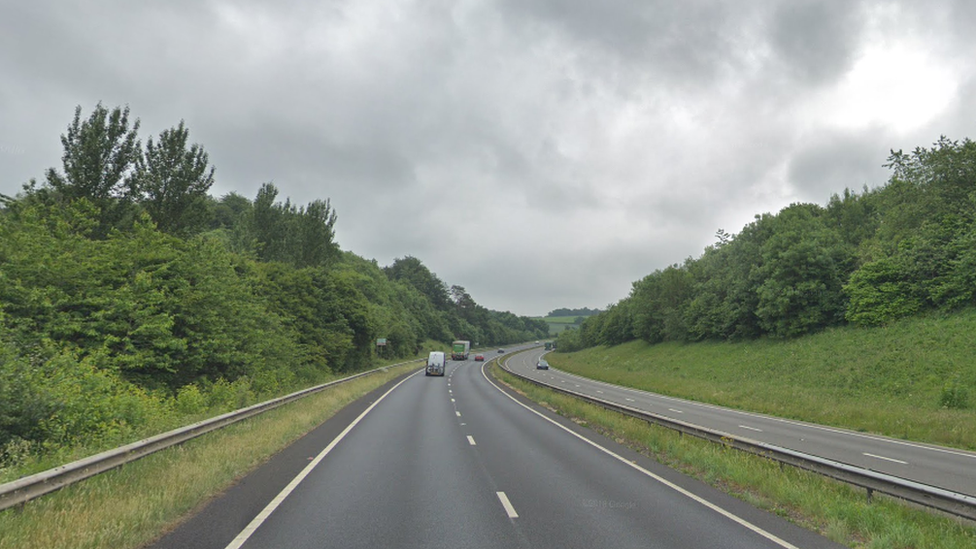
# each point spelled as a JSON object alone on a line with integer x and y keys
{"x": 540, "y": 153}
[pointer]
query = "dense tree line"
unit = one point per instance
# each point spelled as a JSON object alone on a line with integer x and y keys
{"x": 865, "y": 258}
{"x": 127, "y": 292}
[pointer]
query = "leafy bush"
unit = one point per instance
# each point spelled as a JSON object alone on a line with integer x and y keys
{"x": 880, "y": 292}
{"x": 64, "y": 400}
{"x": 190, "y": 400}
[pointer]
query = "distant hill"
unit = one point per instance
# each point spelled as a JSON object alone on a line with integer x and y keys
{"x": 573, "y": 312}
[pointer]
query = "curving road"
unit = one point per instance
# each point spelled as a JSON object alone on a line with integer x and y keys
{"x": 458, "y": 462}
{"x": 938, "y": 466}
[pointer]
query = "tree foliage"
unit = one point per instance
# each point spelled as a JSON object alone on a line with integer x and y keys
{"x": 299, "y": 236}
{"x": 129, "y": 296}
{"x": 411, "y": 271}
{"x": 98, "y": 162}
{"x": 172, "y": 182}
{"x": 866, "y": 258}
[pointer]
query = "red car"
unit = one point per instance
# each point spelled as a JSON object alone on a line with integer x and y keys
{"x": 479, "y": 357}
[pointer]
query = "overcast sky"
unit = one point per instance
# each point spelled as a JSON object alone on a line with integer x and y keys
{"x": 540, "y": 153}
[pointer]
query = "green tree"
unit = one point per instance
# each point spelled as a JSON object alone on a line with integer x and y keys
{"x": 413, "y": 272}
{"x": 99, "y": 161}
{"x": 172, "y": 182}
{"x": 229, "y": 211}
{"x": 314, "y": 234}
{"x": 658, "y": 303}
{"x": 881, "y": 291}
{"x": 302, "y": 237}
{"x": 617, "y": 328}
{"x": 805, "y": 266}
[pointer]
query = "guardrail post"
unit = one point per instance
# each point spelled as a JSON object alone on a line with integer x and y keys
{"x": 870, "y": 495}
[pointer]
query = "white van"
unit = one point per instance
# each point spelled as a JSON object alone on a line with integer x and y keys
{"x": 435, "y": 364}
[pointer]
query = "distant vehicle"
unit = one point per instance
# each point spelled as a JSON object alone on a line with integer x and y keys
{"x": 500, "y": 351}
{"x": 537, "y": 341}
{"x": 460, "y": 349}
{"x": 548, "y": 345}
{"x": 541, "y": 365}
{"x": 435, "y": 364}
{"x": 479, "y": 358}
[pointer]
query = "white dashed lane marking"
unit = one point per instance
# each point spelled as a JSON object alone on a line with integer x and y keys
{"x": 893, "y": 460}
{"x": 507, "y": 505}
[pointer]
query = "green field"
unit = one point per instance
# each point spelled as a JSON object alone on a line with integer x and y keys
{"x": 914, "y": 379}
{"x": 558, "y": 323}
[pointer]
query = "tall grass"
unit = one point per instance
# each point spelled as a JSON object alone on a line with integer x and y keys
{"x": 130, "y": 506}
{"x": 910, "y": 380}
{"x": 837, "y": 511}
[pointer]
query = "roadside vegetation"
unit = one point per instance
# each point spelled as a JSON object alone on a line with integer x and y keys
{"x": 837, "y": 511}
{"x": 130, "y": 506}
{"x": 563, "y": 319}
{"x": 132, "y": 301}
{"x": 859, "y": 313}
{"x": 911, "y": 379}
{"x": 902, "y": 249}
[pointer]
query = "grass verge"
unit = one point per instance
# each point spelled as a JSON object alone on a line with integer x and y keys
{"x": 914, "y": 379}
{"x": 131, "y": 506}
{"x": 837, "y": 511}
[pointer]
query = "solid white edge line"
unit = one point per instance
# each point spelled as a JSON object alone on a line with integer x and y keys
{"x": 471, "y": 440}
{"x": 727, "y": 514}
{"x": 256, "y": 523}
{"x": 507, "y": 505}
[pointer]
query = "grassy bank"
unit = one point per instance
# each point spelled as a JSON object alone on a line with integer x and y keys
{"x": 837, "y": 511}
{"x": 915, "y": 379}
{"x": 558, "y": 323}
{"x": 130, "y": 506}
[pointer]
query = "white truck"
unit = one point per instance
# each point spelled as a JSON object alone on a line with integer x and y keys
{"x": 460, "y": 349}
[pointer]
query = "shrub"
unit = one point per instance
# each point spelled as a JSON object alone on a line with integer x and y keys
{"x": 954, "y": 396}
{"x": 190, "y": 401}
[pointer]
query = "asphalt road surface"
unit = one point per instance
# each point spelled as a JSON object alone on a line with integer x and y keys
{"x": 457, "y": 462}
{"x": 946, "y": 468}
